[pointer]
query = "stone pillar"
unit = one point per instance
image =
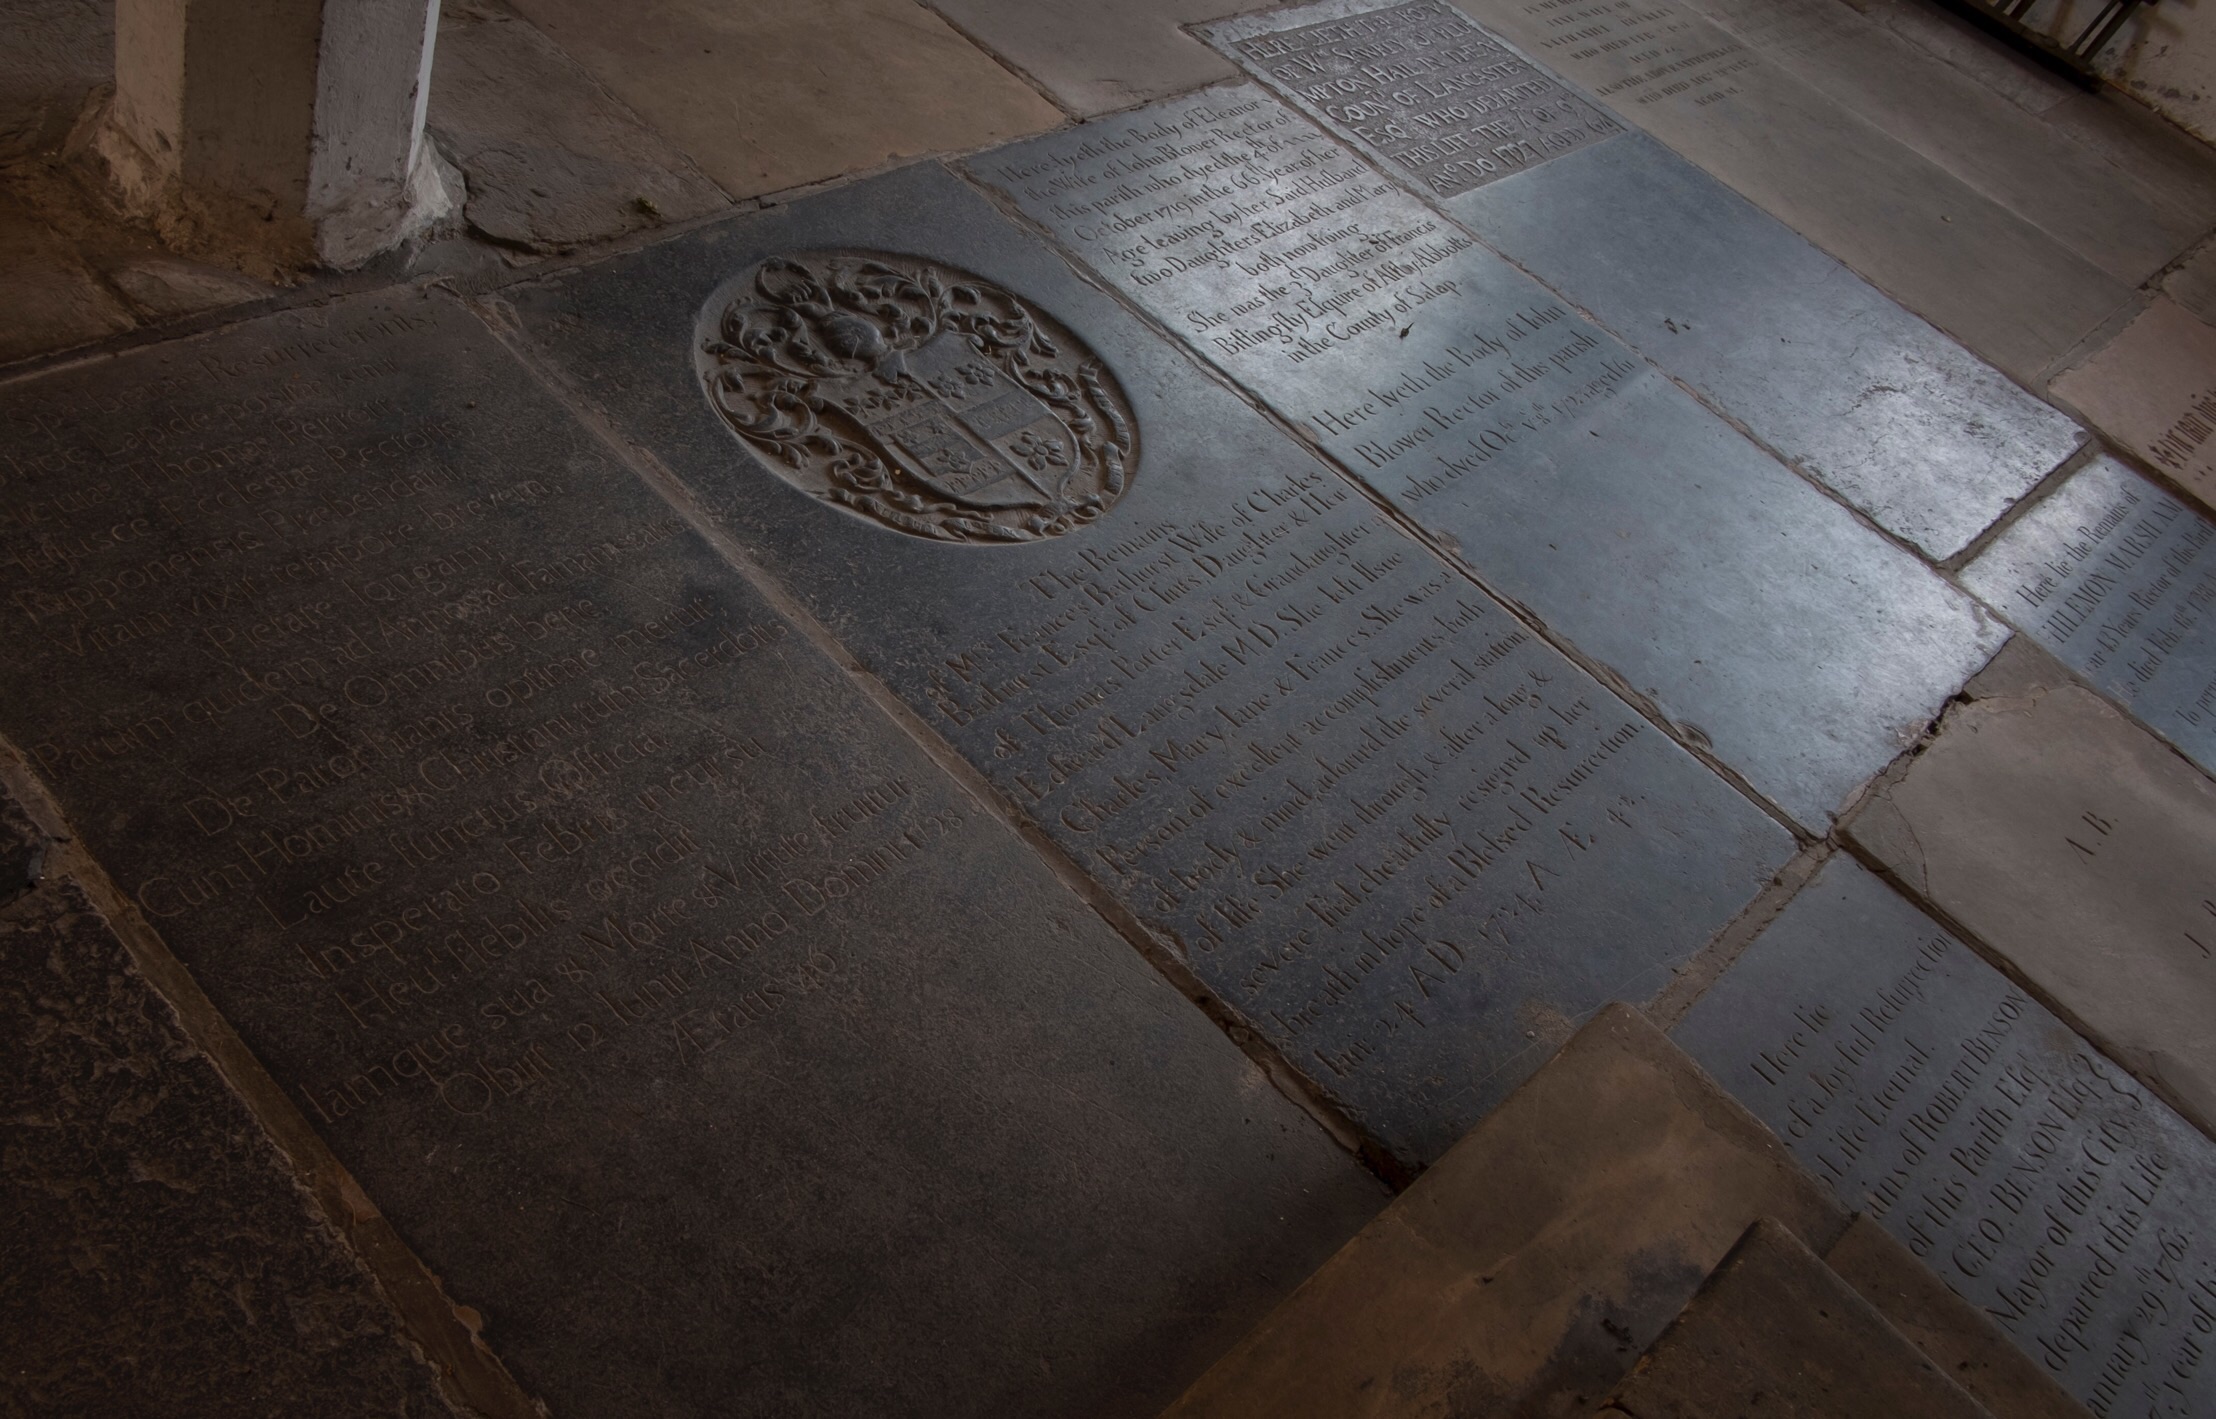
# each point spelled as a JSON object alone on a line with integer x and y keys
{"x": 277, "y": 134}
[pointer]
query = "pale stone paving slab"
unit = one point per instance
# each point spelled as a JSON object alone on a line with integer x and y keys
{"x": 2080, "y": 848}
{"x": 1568, "y": 473}
{"x": 550, "y": 160}
{"x": 2127, "y": 227}
{"x": 2031, "y": 1173}
{"x": 1093, "y": 57}
{"x": 782, "y": 93}
{"x": 2153, "y": 389}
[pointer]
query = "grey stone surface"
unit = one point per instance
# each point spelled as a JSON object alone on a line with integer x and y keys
{"x": 1528, "y": 1269}
{"x": 676, "y": 1009}
{"x": 2116, "y": 579}
{"x": 1572, "y": 476}
{"x": 1402, "y": 837}
{"x": 2075, "y": 845}
{"x": 2128, "y": 226}
{"x": 551, "y": 160}
{"x": 1928, "y": 439}
{"x": 1093, "y": 57}
{"x": 2034, "y": 1175}
{"x": 1967, "y": 1347}
{"x": 1418, "y": 85}
{"x": 1969, "y": 265}
{"x": 1775, "y": 1332}
{"x": 159, "y": 1258}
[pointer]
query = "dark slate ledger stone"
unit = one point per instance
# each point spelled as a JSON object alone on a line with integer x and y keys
{"x": 159, "y": 1257}
{"x": 2034, "y": 1175}
{"x": 2117, "y": 579}
{"x": 1571, "y": 475}
{"x": 1393, "y": 829}
{"x": 679, "y": 1012}
{"x": 1858, "y": 393}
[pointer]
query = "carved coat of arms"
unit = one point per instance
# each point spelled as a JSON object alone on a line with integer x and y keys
{"x": 917, "y": 396}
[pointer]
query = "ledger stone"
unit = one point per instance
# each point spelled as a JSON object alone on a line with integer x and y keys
{"x": 1391, "y": 827}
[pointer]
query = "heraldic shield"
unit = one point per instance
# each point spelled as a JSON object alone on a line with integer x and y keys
{"x": 917, "y": 396}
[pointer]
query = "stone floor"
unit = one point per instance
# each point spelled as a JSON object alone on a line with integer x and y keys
{"x": 960, "y": 677}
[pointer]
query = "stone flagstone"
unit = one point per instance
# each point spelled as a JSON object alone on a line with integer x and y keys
{"x": 160, "y": 1256}
{"x": 2031, "y": 1173}
{"x": 2115, "y": 578}
{"x": 1568, "y": 473}
{"x": 1962, "y": 261}
{"x": 2153, "y": 390}
{"x": 680, "y": 1013}
{"x": 1858, "y": 393}
{"x": 1094, "y": 58}
{"x": 2129, "y": 227}
{"x": 2078, "y": 847}
{"x": 1399, "y": 835}
{"x": 780, "y": 93}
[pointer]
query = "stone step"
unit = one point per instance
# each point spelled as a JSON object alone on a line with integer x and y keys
{"x": 1775, "y": 1331}
{"x": 1537, "y": 1260}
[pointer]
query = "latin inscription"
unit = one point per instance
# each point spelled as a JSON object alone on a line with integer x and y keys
{"x": 1432, "y": 93}
{"x": 2118, "y": 579}
{"x": 2031, "y": 1173}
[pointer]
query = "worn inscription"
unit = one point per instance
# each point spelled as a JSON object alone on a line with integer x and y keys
{"x": 1638, "y": 53}
{"x": 457, "y": 791}
{"x": 1429, "y": 91}
{"x": 2118, "y": 579}
{"x": 2031, "y": 1173}
{"x": 918, "y": 396}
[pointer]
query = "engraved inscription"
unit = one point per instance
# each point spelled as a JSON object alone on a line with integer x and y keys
{"x": 1376, "y": 815}
{"x": 920, "y": 397}
{"x": 1429, "y": 91}
{"x": 1635, "y": 51}
{"x": 2031, "y": 1173}
{"x": 2118, "y": 580}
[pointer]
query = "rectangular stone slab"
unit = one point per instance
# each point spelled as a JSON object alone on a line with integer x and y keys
{"x": 685, "y": 1019}
{"x": 1962, "y": 261}
{"x": 162, "y": 1257}
{"x": 2153, "y": 390}
{"x": 2116, "y": 578}
{"x": 2079, "y": 848}
{"x": 1773, "y": 1329}
{"x": 1525, "y": 1273}
{"x": 1858, "y": 393}
{"x": 2034, "y": 1175}
{"x": 1574, "y": 478}
{"x": 1094, "y": 58}
{"x": 1397, "y": 833}
{"x": 2099, "y": 208}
